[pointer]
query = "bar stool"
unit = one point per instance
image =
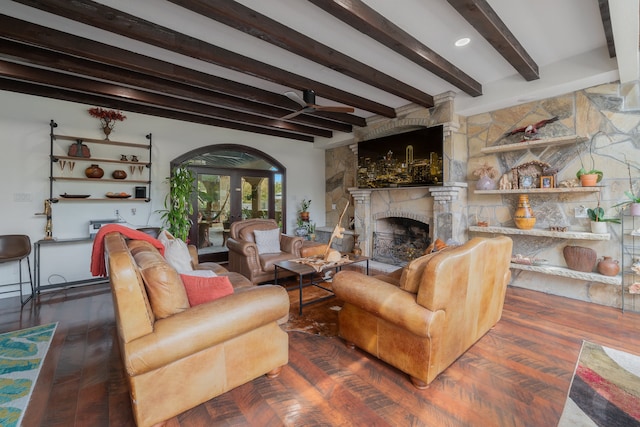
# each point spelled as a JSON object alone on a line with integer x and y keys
{"x": 16, "y": 247}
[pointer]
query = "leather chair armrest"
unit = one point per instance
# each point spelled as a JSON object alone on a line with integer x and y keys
{"x": 386, "y": 301}
{"x": 243, "y": 247}
{"x": 291, "y": 244}
{"x": 206, "y": 325}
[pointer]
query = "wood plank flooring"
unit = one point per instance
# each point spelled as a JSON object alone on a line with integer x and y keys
{"x": 516, "y": 375}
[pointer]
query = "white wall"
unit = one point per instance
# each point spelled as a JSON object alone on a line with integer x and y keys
{"x": 24, "y": 172}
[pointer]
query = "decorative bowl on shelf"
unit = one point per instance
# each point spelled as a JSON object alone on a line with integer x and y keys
{"x": 118, "y": 195}
{"x": 74, "y": 196}
{"x": 119, "y": 174}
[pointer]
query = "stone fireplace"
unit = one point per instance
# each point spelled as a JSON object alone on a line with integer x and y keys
{"x": 403, "y": 219}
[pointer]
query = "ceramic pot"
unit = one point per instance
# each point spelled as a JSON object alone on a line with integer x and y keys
{"x": 94, "y": 171}
{"x": 634, "y": 209}
{"x": 579, "y": 258}
{"x": 119, "y": 174}
{"x": 608, "y": 266}
{"x": 598, "y": 227}
{"x": 485, "y": 183}
{"x": 524, "y": 217}
{"x": 589, "y": 180}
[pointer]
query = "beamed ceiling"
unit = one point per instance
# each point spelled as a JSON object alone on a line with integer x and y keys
{"x": 229, "y": 64}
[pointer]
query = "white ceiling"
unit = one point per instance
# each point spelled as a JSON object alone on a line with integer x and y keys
{"x": 564, "y": 37}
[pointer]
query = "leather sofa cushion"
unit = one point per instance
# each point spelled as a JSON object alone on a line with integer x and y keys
{"x": 267, "y": 260}
{"x": 412, "y": 273}
{"x": 164, "y": 287}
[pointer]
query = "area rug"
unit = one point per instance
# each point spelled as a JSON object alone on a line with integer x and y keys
{"x": 21, "y": 356}
{"x": 605, "y": 389}
{"x": 319, "y": 318}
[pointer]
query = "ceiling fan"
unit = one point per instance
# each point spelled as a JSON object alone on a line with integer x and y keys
{"x": 308, "y": 103}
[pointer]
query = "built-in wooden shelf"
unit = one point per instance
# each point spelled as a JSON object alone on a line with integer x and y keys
{"x": 572, "y": 274}
{"x": 101, "y": 141}
{"x": 537, "y": 232}
{"x": 541, "y": 190}
{"x": 538, "y": 143}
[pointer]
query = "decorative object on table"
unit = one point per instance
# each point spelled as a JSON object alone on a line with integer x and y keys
{"x": 633, "y": 201}
{"x": 304, "y": 209}
{"x": 331, "y": 255}
{"x": 79, "y": 150}
{"x": 22, "y": 353}
{"x": 523, "y": 216}
{"x": 107, "y": 118}
{"x": 608, "y": 266}
{"x": 177, "y": 202}
{"x": 589, "y": 177}
{"x": 579, "y": 258}
{"x": 94, "y": 171}
{"x": 486, "y": 177}
{"x": 119, "y": 174}
{"x": 604, "y": 389}
{"x": 531, "y": 131}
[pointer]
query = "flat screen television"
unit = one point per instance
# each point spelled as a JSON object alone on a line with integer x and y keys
{"x": 405, "y": 159}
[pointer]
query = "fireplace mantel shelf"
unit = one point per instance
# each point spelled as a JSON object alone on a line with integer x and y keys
{"x": 537, "y": 232}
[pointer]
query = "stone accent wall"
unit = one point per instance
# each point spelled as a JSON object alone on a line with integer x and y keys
{"x": 609, "y": 115}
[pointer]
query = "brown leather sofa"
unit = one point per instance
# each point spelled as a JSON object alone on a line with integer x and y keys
{"x": 175, "y": 362}
{"x": 422, "y": 318}
{"x": 243, "y": 250}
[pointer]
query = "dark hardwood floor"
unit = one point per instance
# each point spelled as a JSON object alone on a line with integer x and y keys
{"x": 516, "y": 375}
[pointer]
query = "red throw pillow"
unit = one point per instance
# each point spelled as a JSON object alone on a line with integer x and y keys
{"x": 205, "y": 289}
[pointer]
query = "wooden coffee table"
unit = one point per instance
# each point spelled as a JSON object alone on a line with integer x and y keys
{"x": 302, "y": 270}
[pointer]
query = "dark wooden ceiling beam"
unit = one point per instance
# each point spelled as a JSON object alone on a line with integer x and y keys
{"x": 79, "y": 84}
{"x": 115, "y": 21}
{"x": 14, "y": 51}
{"x": 34, "y": 89}
{"x": 247, "y": 20}
{"x": 369, "y": 22}
{"x": 487, "y": 22}
{"x": 605, "y": 15}
{"x": 28, "y": 33}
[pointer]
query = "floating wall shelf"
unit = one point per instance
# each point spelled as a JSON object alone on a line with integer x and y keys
{"x": 538, "y": 143}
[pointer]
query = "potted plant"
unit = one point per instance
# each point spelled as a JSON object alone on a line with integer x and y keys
{"x": 304, "y": 209}
{"x": 598, "y": 220}
{"x": 177, "y": 203}
{"x": 589, "y": 177}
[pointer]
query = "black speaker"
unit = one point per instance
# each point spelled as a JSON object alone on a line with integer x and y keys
{"x": 141, "y": 192}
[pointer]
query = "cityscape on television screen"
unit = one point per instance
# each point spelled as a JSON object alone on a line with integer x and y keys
{"x": 410, "y": 159}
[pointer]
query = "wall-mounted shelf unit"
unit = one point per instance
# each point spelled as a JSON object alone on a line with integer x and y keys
{"x": 541, "y": 190}
{"x": 573, "y": 235}
{"x": 566, "y": 272}
{"x": 537, "y": 143}
{"x": 630, "y": 243}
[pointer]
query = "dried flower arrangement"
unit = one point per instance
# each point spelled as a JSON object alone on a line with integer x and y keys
{"x": 107, "y": 118}
{"x": 486, "y": 170}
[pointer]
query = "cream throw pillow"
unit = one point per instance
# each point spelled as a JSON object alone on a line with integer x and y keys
{"x": 268, "y": 241}
{"x": 176, "y": 252}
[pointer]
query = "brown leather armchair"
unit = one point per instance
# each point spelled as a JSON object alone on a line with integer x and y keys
{"x": 243, "y": 250}
{"x": 422, "y": 319}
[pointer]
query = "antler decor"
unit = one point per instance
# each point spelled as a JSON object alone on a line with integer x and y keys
{"x": 329, "y": 254}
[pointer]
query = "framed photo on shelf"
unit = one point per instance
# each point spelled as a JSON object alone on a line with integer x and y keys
{"x": 546, "y": 181}
{"x": 527, "y": 182}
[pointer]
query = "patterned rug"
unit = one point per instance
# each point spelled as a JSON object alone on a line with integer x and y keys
{"x": 605, "y": 389}
{"x": 21, "y": 356}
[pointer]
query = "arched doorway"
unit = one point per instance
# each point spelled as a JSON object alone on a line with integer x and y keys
{"x": 233, "y": 182}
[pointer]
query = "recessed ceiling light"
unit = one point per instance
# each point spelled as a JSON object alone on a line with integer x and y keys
{"x": 462, "y": 42}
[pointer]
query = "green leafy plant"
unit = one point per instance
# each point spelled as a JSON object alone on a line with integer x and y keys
{"x": 177, "y": 203}
{"x": 629, "y": 193}
{"x": 304, "y": 206}
{"x": 597, "y": 215}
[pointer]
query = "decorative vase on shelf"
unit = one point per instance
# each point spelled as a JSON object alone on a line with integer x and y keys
{"x": 94, "y": 171}
{"x": 608, "y": 266}
{"x": 119, "y": 174}
{"x": 485, "y": 183}
{"x": 579, "y": 258}
{"x": 357, "y": 251}
{"x": 634, "y": 209}
{"x": 598, "y": 227}
{"x": 524, "y": 217}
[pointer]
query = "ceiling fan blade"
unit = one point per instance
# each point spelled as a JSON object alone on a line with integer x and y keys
{"x": 296, "y": 98}
{"x": 292, "y": 115}
{"x": 334, "y": 109}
